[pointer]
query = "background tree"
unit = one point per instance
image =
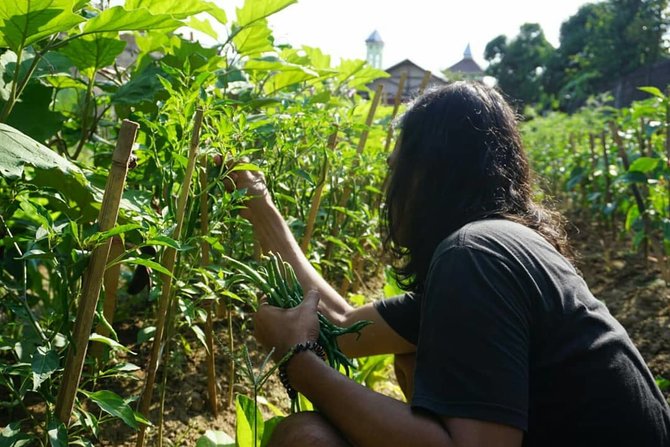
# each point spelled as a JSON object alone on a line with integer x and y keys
{"x": 519, "y": 64}
{"x": 603, "y": 42}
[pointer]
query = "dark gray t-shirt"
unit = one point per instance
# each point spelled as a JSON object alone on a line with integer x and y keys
{"x": 507, "y": 331}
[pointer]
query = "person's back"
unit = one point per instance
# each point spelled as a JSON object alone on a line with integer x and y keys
{"x": 524, "y": 342}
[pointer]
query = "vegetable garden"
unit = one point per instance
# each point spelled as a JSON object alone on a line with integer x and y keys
{"x": 117, "y": 139}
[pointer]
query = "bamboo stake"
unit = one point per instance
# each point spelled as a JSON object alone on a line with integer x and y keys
{"x": 667, "y": 137}
{"x": 396, "y": 106}
{"x": 316, "y": 198}
{"x": 424, "y": 82}
{"x": 592, "y": 148}
{"x": 111, "y": 283}
{"x": 168, "y": 260}
{"x": 94, "y": 275}
{"x": 356, "y": 264}
{"x": 642, "y": 138}
{"x": 204, "y": 262}
{"x": 231, "y": 365}
{"x": 359, "y": 150}
{"x": 608, "y": 181}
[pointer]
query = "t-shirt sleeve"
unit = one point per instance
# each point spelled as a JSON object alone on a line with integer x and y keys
{"x": 402, "y": 314}
{"x": 472, "y": 353}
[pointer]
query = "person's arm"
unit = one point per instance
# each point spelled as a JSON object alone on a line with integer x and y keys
{"x": 366, "y": 418}
{"x": 275, "y": 236}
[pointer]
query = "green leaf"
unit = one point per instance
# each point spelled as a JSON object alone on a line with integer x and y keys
{"x": 200, "y": 335}
{"x": 653, "y": 91}
{"x": 51, "y": 170}
{"x": 23, "y": 23}
{"x": 179, "y": 9}
{"x": 247, "y": 413}
{"x": 118, "y": 18}
{"x": 33, "y": 116}
{"x": 145, "y": 334}
{"x": 93, "y": 52}
{"x": 268, "y": 428}
{"x": 142, "y": 87}
{"x": 165, "y": 241}
{"x": 113, "y": 404}
{"x": 254, "y": 10}
{"x": 103, "y": 235}
{"x": 254, "y": 39}
{"x": 644, "y": 164}
{"x": 145, "y": 262}
{"x": 357, "y": 73}
{"x": 215, "y": 439}
{"x": 11, "y": 436}
{"x": 45, "y": 362}
{"x": 109, "y": 342}
{"x": 203, "y": 26}
{"x": 57, "y": 434}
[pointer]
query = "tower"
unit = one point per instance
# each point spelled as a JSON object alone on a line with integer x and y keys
{"x": 375, "y": 45}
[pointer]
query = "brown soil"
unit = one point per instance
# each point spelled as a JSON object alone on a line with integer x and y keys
{"x": 630, "y": 285}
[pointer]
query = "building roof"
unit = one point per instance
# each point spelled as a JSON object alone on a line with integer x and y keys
{"x": 374, "y": 38}
{"x": 467, "y": 64}
{"x": 405, "y": 64}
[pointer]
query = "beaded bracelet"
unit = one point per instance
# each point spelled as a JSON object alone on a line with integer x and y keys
{"x": 313, "y": 346}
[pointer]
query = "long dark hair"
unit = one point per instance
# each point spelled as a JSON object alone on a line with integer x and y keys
{"x": 459, "y": 159}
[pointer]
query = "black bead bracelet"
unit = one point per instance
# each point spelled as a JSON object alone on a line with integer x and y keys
{"x": 313, "y": 346}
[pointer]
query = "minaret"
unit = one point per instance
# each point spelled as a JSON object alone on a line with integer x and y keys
{"x": 468, "y": 53}
{"x": 375, "y": 45}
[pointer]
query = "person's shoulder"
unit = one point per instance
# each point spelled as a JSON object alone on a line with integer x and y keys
{"x": 489, "y": 233}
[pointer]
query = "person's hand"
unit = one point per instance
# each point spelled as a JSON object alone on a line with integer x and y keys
{"x": 254, "y": 184}
{"x": 282, "y": 329}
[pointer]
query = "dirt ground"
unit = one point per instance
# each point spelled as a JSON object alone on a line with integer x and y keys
{"x": 630, "y": 285}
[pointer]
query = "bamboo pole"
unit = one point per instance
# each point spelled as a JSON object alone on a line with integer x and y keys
{"x": 592, "y": 148}
{"x": 93, "y": 280}
{"x": 168, "y": 260}
{"x": 204, "y": 262}
{"x": 316, "y": 198}
{"x": 424, "y": 82}
{"x": 111, "y": 283}
{"x": 396, "y": 106}
{"x": 359, "y": 150}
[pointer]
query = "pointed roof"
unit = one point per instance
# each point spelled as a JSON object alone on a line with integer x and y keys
{"x": 467, "y": 54}
{"x": 467, "y": 64}
{"x": 374, "y": 38}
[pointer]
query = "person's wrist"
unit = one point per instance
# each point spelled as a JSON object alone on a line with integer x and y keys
{"x": 258, "y": 207}
{"x": 295, "y": 355}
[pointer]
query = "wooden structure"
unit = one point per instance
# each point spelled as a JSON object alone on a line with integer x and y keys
{"x": 416, "y": 77}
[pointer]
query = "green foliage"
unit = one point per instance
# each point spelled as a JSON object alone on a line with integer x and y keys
{"x": 518, "y": 65}
{"x": 67, "y": 77}
{"x": 25, "y": 23}
{"x": 581, "y": 161}
{"x": 600, "y": 43}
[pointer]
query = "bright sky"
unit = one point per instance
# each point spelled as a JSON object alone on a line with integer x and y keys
{"x": 432, "y": 33}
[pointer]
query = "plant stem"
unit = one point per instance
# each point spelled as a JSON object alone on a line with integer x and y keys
{"x": 84, "y": 117}
{"x": 24, "y": 292}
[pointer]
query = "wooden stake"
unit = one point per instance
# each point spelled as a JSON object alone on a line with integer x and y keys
{"x": 168, "y": 260}
{"x": 359, "y": 150}
{"x": 592, "y": 148}
{"x": 111, "y": 283}
{"x": 204, "y": 262}
{"x": 424, "y": 82}
{"x": 94, "y": 275}
{"x": 316, "y": 198}
{"x": 396, "y": 106}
